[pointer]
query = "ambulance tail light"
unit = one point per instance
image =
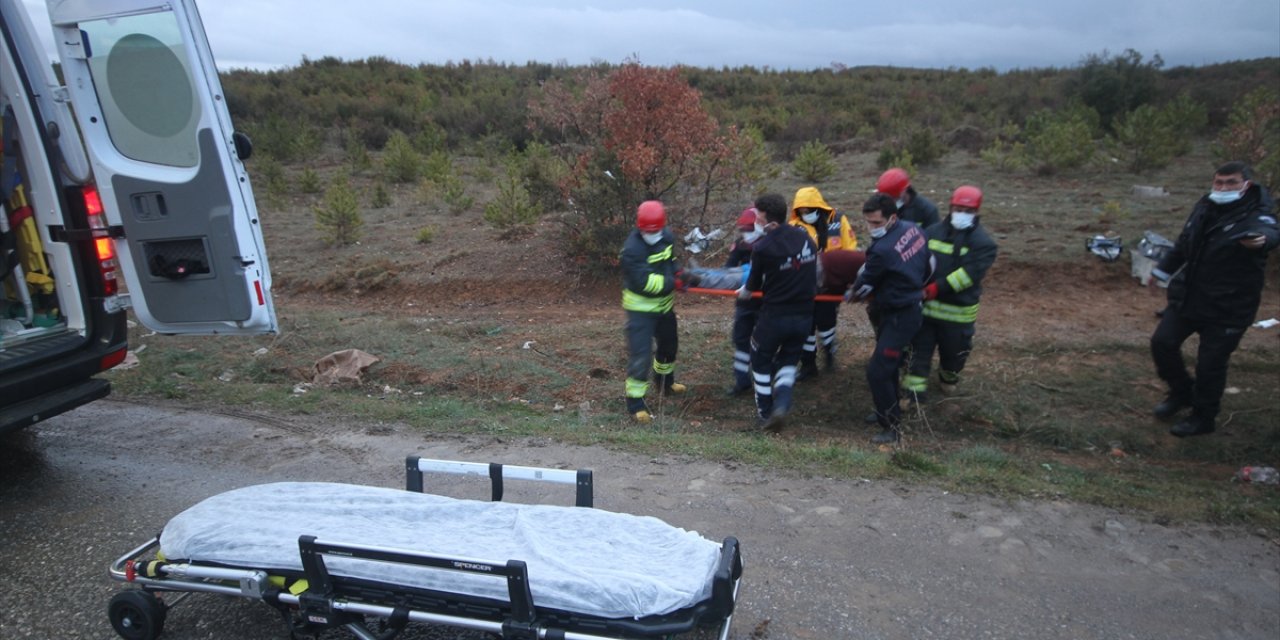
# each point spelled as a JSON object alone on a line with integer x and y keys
{"x": 108, "y": 265}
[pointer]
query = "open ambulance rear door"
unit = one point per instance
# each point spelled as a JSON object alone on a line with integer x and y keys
{"x": 168, "y": 164}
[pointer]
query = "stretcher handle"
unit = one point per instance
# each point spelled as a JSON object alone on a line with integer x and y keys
{"x": 821, "y": 297}
{"x": 582, "y": 479}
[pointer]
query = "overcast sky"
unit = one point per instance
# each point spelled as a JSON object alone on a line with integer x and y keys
{"x": 1004, "y": 34}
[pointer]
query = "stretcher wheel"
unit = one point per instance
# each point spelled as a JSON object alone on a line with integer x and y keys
{"x": 136, "y": 615}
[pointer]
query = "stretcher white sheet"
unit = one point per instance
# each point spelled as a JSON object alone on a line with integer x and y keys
{"x": 587, "y": 561}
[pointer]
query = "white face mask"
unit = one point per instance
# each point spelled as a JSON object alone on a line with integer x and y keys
{"x": 961, "y": 219}
{"x": 1227, "y": 197}
{"x": 879, "y": 232}
{"x": 810, "y": 218}
{"x": 651, "y": 238}
{"x": 751, "y": 236}
{"x": 900, "y": 202}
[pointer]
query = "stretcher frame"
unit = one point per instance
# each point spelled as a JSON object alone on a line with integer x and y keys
{"x": 332, "y": 601}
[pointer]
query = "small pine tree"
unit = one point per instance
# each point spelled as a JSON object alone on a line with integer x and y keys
{"x": 513, "y": 207}
{"x": 338, "y": 216}
{"x": 400, "y": 161}
{"x": 381, "y": 198}
{"x": 309, "y": 181}
{"x": 814, "y": 162}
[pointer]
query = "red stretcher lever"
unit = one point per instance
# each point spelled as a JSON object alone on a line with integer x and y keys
{"x": 822, "y": 297}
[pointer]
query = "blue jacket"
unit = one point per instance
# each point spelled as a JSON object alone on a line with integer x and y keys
{"x": 898, "y": 266}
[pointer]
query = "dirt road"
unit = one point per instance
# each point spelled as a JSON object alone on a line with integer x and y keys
{"x": 824, "y": 558}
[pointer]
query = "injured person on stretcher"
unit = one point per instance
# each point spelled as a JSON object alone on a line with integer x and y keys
{"x": 329, "y": 555}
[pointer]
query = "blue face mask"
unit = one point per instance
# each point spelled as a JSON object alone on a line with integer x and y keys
{"x": 1225, "y": 197}
{"x": 879, "y": 232}
{"x": 651, "y": 238}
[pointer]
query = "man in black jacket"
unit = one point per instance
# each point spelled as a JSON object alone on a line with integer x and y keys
{"x": 897, "y": 268}
{"x": 1215, "y": 272}
{"x": 964, "y": 252}
{"x": 784, "y": 266}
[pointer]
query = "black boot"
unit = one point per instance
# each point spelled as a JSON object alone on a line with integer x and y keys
{"x": 1193, "y": 425}
{"x": 1171, "y": 405}
{"x": 889, "y": 435}
{"x": 808, "y": 369}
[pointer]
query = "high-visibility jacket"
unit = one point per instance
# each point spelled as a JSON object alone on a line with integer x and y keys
{"x": 838, "y": 232}
{"x": 962, "y": 260}
{"x": 648, "y": 273}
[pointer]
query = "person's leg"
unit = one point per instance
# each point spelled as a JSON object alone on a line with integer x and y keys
{"x": 664, "y": 361}
{"x": 1166, "y": 352}
{"x": 955, "y": 341}
{"x": 764, "y": 347}
{"x": 922, "y": 347}
{"x": 1216, "y": 346}
{"x": 744, "y": 322}
{"x": 809, "y": 354}
{"x": 793, "y": 330}
{"x": 825, "y": 317}
{"x": 897, "y": 328}
{"x": 639, "y": 332}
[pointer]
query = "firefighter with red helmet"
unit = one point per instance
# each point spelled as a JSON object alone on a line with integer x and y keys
{"x": 912, "y": 207}
{"x": 649, "y": 276}
{"x": 964, "y": 251}
{"x": 830, "y": 230}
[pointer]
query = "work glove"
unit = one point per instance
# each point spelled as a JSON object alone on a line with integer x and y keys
{"x": 931, "y": 291}
{"x": 860, "y": 293}
{"x": 744, "y": 293}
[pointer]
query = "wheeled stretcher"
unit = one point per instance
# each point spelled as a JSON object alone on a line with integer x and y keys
{"x": 373, "y": 560}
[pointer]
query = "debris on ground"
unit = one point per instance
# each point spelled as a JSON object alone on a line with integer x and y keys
{"x": 342, "y": 367}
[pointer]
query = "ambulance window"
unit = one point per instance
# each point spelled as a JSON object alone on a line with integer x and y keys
{"x": 144, "y": 84}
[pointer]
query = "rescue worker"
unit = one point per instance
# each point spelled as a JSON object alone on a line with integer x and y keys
{"x": 893, "y": 279}
{"x": 830, "y": 230}
{"x": 649, "y": 276}
{"x": 1215, "y": 271}
{"x": 746, "y": 311}
{"x": 963, "y": 252}
{"x": 912, "y": 207}
{"x": 784, "y": 266}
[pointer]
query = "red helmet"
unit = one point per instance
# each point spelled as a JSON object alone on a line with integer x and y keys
{"x": 967, "y": 196}
{"x": 651, "y": 216}
{"x": 893, "y": 183}
{"x": 747, "y": 219}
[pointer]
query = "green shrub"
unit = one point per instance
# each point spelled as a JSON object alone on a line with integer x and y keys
{"x": 1153, "y": 136}
{"x": 426, "y": 234}
{"x": 814, "y": 162}
{"x": 381, "y": 198}
{"x": 1006, "y": 152}
{"x": 1057, "y": 140}
{"x": 1252, "y": 135}
{"x": 925, "y": 147}
{"x": 512, "y": 207}
{"x": 309, "y": 181}
{"x": 357, "y": 154}
{"x": 455, "y": 195}
{"x": 400, "y": 162}
{"x": 439, "y": 166}
{"x": 543, "y": 172}
{"x": 338, "y": 216}
{"x": 901, "y": 159}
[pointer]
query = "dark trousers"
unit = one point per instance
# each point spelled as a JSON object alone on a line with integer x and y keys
{"x": 776, "y": 346}
{"x": 744, "y": 323}
{"x": 952, "y": 340}
{"x": 643, "y": 329}
{"x": 897, "y": 328}
{"x": 1216, "y": 344}
{"x": 825, "y": 316}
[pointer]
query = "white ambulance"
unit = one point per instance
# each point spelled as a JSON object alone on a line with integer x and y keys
{"x": 123, "y": 185}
